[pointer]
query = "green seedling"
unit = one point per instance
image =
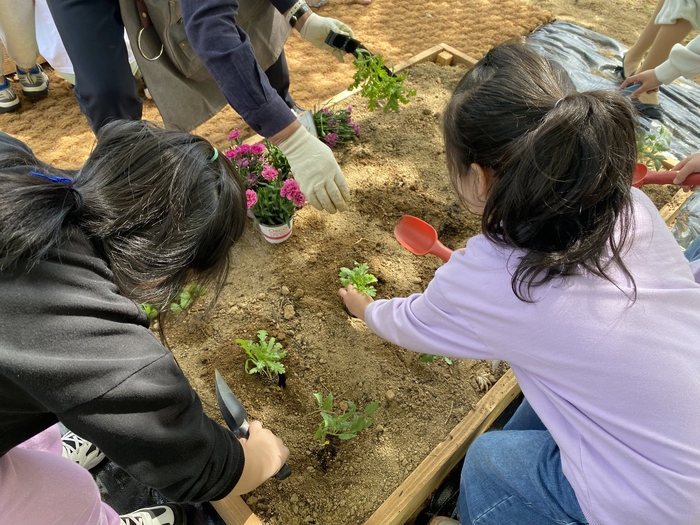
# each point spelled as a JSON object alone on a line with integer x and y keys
{"x": 359, "y": 277}
{"x": 651, "y": 147}
{"x": 150, "y": 310}
{"x": 378, "y": 86}
{"x": 187, "y": 296}
{"x": 344, "y": 426}
{"x": 428, "y": 358}
{"x": 264, "y": 356}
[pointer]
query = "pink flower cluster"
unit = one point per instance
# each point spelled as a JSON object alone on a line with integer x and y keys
{"x": 251, "y": 198}
{"x": 290, "y": 190}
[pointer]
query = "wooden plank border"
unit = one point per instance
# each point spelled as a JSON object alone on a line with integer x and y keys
{"x": 410, "y": 496}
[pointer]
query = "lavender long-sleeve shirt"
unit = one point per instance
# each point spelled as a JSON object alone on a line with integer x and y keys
{"x": 616, "y": 382}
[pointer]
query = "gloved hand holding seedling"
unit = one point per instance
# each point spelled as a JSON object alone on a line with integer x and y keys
{"x": 358, "y": 291}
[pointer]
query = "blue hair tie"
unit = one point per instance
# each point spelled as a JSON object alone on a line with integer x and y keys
{"x": 52, "y": 179}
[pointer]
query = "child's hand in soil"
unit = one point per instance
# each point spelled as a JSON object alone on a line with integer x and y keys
{"x": 355, "y": 301}
{"x": 264, "y": 456}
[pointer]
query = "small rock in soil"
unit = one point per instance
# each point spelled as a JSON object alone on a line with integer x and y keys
{"x": 298, "y": 293}
{"x": 285, "y": 290}
{"x": 289, "y": 312}
{"x": 390, "y": 395}
{"x": 261, "y": 296}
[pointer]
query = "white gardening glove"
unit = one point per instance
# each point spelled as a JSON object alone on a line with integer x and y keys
{"x": 316, "y": 29}
{"x": 316, "y": 171}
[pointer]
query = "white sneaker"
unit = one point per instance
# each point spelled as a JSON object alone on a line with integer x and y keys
{"x": 8, "y": 98}
{"x": 35, "y": 83}
{"x": 169, "y": 514}
{"x": 80, "y": 450}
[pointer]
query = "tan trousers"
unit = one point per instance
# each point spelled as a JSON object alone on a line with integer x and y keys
{"x": 18, "y": 32}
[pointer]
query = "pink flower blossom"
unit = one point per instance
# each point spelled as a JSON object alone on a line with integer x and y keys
{"x": 331, "y": 139}
{"x": 349, "y": 110}
{"x": 230, "y": 153}
{"x": 257, "y": 148}
{"x": 356, "y": 128}
{"x": 326, "y": 111}
{"x": 242, "y": 163}
{"x": 290, "y": 190}
{"x": 332, "y": 122}
{"x": 234, "y": 134}
{"x": 251, "y": 198}
{"x": 269, "y": 173}
{"x": 243, "y": 149}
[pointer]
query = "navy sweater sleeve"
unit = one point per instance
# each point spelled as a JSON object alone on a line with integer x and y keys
{"x": 227, "y": 53}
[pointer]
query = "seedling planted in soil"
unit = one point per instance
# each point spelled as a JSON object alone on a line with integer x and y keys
{"x": 264, "y": 356}
{"x": 183, "y": 302}
{"x": 359, "y": 277}
{"x": 429, "y": 358}
{"x": 651, "y": 147}
{"x": 344, "y": 426}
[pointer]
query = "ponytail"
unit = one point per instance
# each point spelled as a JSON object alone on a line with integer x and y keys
{"x": 36, "y": 201}
{"x": 562, "y": 164}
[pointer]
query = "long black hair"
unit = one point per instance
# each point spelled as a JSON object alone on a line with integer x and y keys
{"x": 560, "y": 164}
{"x": 161, "y": 207}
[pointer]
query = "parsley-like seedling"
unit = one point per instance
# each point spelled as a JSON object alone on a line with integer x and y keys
{"x": 150, "y": 310}
{"x": 344, "y": 426}
{"x": 378, "y": 85}
{"x": 359, "y": 277}
{"x": 264, "y": 356}
{"x": 186, "y": 297}
{"x": 428, "y": 358}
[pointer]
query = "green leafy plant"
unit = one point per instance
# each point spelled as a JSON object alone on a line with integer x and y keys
{"x": 344, "y": 426}
{"x": 150, "y": 310}
{"x": 651, "y": 147}
{"x": 378, "y": 85}
{"x": 428, "y": 358}
{"x": 186, "y": 297}
{"x": 263, "y": 356}
{"x": 359, "y": 277}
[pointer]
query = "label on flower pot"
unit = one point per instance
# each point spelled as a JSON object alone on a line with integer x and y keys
{"x": 277, "y": 233}
{"x": 307, "y": 120}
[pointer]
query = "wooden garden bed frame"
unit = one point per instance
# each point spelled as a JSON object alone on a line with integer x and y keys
{"x": 412, "y": 494}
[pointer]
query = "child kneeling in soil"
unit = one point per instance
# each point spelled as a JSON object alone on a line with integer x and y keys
{"x": 79, "y": 250}
{"x": 578, "y": 284}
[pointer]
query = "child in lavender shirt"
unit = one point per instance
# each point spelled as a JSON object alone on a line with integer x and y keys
{"x": 577, "y": 283}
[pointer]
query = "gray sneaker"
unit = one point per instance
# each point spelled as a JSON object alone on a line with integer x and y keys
{"x": 8, "y": 98}
{"x": 35, "y": 83}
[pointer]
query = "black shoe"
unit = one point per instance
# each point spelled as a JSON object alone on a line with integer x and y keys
{"x": 168, "y": 514}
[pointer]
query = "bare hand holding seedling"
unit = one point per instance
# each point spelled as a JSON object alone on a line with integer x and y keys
{"x": 355, "y": 302}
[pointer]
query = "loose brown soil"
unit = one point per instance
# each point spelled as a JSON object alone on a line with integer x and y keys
{"x": 397, "y": 167}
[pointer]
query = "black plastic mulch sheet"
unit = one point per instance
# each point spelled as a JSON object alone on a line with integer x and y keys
{"x": 590, "y": 59}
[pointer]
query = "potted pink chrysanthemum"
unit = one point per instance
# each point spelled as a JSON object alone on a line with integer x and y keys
{"x": 272, "y": 194}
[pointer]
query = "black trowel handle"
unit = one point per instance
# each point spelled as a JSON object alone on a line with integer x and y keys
{"x": 344, "y": 42}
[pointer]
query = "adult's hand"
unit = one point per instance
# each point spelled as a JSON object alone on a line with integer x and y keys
{"x": 316, "y": 170}
{"x": 264, "y": 456}
{"x": 690, "y": 164}
{"x": 315, "y": 29}
{"x": 647, "y": 79}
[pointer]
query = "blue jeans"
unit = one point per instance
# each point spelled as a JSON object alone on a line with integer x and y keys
{"x": 692, "y": 252}
{"x": 513, "y": 477}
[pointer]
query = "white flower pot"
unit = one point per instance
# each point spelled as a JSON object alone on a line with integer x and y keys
{"x": 278, "y": 233}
